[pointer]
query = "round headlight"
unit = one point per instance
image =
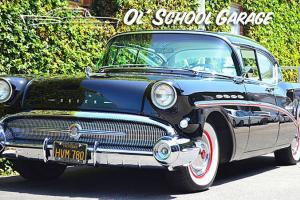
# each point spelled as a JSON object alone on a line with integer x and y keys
{"x": 163, "y": 95}
{"x": 5, "y": 90}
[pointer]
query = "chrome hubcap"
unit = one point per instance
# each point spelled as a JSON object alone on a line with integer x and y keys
{"x": 200, "y": 165}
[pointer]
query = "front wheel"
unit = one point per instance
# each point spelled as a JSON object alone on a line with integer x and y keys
{"x": 38, "y": 170}
{"x": 289, "y": 155}
{"x": 199, "y": 174}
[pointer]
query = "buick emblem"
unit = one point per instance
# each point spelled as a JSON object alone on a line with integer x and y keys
{"x": 75, "y": 131}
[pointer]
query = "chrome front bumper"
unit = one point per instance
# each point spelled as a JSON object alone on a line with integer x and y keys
{"x": 183, "y": 151}
{"x": 98, "y": 158}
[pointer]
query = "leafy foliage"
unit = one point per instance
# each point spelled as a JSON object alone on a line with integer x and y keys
{"x": 104, "y": 8}
{"x": 290, "y": 75}
{"x": 68, "y": 48}
{"x": 6, "y": 168}
{"x": 65, "y": 48}
{"x": 282, "y": 36}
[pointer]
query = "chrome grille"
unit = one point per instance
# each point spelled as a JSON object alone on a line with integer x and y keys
{"x": 136, "y": 134}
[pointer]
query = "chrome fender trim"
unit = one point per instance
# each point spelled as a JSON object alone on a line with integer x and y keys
{"x": 205, "y": 104}
{"x": 3, "y": 139}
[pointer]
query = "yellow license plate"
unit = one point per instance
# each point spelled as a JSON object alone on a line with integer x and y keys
{"x": 70, "y": 152}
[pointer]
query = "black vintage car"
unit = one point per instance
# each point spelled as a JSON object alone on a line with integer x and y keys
{"x": 183, "y": 100}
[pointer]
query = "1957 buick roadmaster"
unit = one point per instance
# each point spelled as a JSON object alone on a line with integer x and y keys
{"x": 183, "y": 100}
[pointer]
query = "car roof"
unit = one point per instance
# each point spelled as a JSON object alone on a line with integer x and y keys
{"x": 233, "y": 39}
{"x": 241, "y": 40}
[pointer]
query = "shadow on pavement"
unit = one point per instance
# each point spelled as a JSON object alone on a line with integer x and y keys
{"x": 244, "y": 168}
{"x": 126, "y": 182}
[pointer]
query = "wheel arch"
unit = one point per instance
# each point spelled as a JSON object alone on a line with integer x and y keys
{"x": 225, "y": 134}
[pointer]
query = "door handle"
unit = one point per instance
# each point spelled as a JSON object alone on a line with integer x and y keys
{"x": 270, "y": 89}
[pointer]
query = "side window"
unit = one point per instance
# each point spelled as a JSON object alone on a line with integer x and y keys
{"x": 266, "y": 67}
{"x": 250, "y": 65}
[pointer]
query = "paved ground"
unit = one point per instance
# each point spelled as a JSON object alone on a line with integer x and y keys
{"x": 257, "y": 178}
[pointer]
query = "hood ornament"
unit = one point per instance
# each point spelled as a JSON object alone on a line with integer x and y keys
{"x": 75, "y": 131}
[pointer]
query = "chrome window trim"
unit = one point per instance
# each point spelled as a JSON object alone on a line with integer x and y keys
{"x": 265, "y": 52}
{"x": 95, "y": 115}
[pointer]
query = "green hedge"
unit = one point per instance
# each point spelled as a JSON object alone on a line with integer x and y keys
{"x": 69, "y": 48}
{"x": 47, "y": 49}
{"x": 282, "y": 36}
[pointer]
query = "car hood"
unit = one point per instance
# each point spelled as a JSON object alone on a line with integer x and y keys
{"x": 115, "y": 92}
{"x": 87, "y": 94}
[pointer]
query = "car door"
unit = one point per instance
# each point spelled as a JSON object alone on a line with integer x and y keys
{"x": 284, "y": 99}
{"x": 264, "y": 123}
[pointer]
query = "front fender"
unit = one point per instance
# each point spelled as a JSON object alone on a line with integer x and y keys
{"x": 13, "y": 105}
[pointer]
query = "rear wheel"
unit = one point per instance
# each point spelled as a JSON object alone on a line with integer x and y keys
{"x": 199, "y": 174}
{"x": 38, "y": 170}
{"x": 291, "y": 154}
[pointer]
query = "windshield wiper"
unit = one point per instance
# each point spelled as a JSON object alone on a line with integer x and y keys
{"x": 101, "y": 72}
{"x": 156, "y": 69}
{"x": 147, "y": 68}
{"x": 199, "y": 72}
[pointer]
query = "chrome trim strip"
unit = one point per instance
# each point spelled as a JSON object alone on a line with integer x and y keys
{"x": 26, "y": 90}
{"x": 203, "y": 104}
{"x": 83, "y": 132}
{"x": 110, "y": 133}
{"x": 126, "y": 160}
{"x": 49, "y": 146}
{"x": 94, "y": 150}
{"x": 120, "y": 151}
{"x": 2, "y": 143}
{"x": 95, "y": 115}
{"x": 45, "y": 144}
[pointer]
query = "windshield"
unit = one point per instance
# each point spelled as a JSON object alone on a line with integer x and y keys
{"x": 171, "y": 51}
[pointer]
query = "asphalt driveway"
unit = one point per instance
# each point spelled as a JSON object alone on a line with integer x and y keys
{"x": 257, "y": 178}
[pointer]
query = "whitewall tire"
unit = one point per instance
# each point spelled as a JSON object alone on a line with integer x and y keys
{"x": 200, "y": 173}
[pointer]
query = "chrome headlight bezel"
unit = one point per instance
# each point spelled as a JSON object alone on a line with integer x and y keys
{"x": 10, "y": 90}
{"x": 154, "y": 99}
